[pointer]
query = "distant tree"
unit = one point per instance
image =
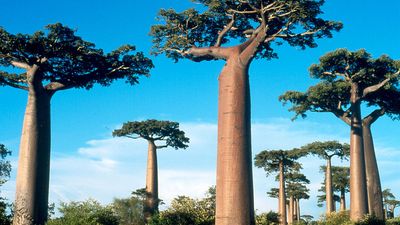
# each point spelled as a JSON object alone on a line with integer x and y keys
{"x": 390, "y": 203}
{"x": 198, "y": 34}
{"x": 89, "y": 212}
{"x": 296, "y": 189}
{"x": 350, "y": 78}
{"x": 5, "y": 169}
{"x": 340, "y": 183}
{"x": 165, "y": 132}
{"x": 327, "y": 150}
{"x": 279, "y": 161}
{"x": 129, "y": 210}
{"x": 53, "y": 60}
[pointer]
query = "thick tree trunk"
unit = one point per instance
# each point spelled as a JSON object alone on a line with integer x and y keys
{"x": 375, "y": 203}
{"x": 291, "y": 210}
{"x": 32, "y": 185}
{"x": 151, "y": 202}
{"x": 234, "y": 197}
{"x": 330, "y": 207}
{"x": 282, "y": 195}
{"x": 358, "y": 183}
{"x": 342, "y": 200}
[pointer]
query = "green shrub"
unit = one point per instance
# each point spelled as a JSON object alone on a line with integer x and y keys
{"x": 394, "y": 221}
{"x": 336, "y": 218}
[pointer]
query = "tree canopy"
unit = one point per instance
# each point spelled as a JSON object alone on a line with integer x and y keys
{"x": 154, "y": 130}
{"x": 328, "y": 149}
{"x": 217, "y": 22}
{"x": 270, "y": 160}
{"x": 59, "y": 59}
{"x": 377, "y": 79}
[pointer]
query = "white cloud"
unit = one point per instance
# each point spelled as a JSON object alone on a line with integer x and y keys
{"x": 114, "y": 167}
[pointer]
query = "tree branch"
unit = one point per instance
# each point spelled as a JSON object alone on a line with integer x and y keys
{"x": 222, "y": 33}
{"x": 206, "y": 53}
{"x": 21, "y": 65}
{"x": 161, "y": 146}
{"x": 343, "y": 115}
{"x": 14, "y": 85}
{"x": 132, "y": 137}
{"x": 373, "y": 116}
{"x": 375, "y": 87}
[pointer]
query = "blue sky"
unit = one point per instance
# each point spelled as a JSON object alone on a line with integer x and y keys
{"x": 88, "y": 162}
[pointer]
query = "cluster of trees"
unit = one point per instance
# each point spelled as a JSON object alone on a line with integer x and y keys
{"x": 292, "y": 183}
{"x": 57, "y": 59}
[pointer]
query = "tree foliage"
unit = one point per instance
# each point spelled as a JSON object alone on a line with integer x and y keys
{"x": 328, "y": 149}
{"x": 270, "y": 160}
{"x": 390, "y": 202}
{"x": 154, "y": 130}
{"x": 129, "y": 210}
{"x": 188, "y": 211}
{"x": 5, "y": 169}
{"x": 340, "y": 182}
{"x": 88, "y": 212}
{"x": 377, "y": 80}
{"x": 65, "y": 60}
{"x": 217, "y": 22}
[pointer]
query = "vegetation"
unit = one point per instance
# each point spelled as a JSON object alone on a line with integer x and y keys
{"x": 340, "y": 184}
{"x": 281, "y": 162}
{"x": 202, "y": 35}
{"x": 153, "y": 131}
{"x": 53, "y": 60}
{"x": 327, "y": 150}
{"x": 5, "y": 169}
{"x": 348, "y": 80}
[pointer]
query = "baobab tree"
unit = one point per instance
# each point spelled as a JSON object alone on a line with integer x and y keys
{"x": 158, "y": 134}
{"x": 296, "y": 189}
{"x": 340, "y": 183}
{"x": 199, "y": 35}
{"x": 327, "y": 150}
{"x": 53, "y": 60}
{"x": 390, "y": 203}
{"x": 350, "y": 78}
{"x": 279, "y": 161}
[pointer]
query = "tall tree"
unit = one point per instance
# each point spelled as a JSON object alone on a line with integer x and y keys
{"x": 390, "y": 202}
{"x": 165, "y": 132}
{"x": 53, "y": 60}
{"x": 327, "y": 150}
{"x": 351, "y": 78}
{"x": 296, "y": 189}
{"x": 340, "y": 183}
{"x": 279, "y": 161}
{"x": 198, "y": 34}
{"x": 5, "y": 169}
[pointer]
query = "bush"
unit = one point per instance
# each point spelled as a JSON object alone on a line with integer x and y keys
{"x": 394, "y": 221}
{"x": 336, "y": 218}
{"x": 270, "y": 218}
{"x": 88, "y": 212}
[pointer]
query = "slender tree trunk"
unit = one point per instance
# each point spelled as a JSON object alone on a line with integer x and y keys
{"x": 32, "y": 188}
{"x": 291, "y": 210}
{"x": 342, "y": 200}
{"x": 234, "y": 200}
{"x": 330, "y": 207}
{"x": 282, "y": 195}
{"x": 358, "y": 183}
{"x": 375, "y": 203}
{"x": 297, "y": 209}
{"x": 151, "y": 202}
